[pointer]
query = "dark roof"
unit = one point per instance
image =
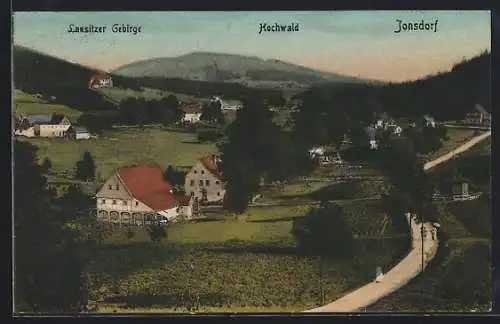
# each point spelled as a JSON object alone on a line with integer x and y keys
{"x": 370, "y": 131}
{"x": 482, "y": 110}
{"x": 192, "y": 108}
{"x": 428, "y": 118}
{"x": 80, "y": 129}
{"x": 146, "y": 184}
{"x": 45, "y": 119}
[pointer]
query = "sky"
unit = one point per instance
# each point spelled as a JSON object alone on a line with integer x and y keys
{"x": 355, "y": 43}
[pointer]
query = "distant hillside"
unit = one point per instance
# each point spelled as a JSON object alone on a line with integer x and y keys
{"x": 248, "y": 70}
{"x": 447, "y": 95}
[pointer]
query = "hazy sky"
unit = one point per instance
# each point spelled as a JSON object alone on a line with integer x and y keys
{"x": 357, "y": 43}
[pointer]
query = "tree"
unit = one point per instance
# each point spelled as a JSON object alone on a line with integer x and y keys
{"x": 324, "y": 231}
{"x": 211, "y": 112}
{"x": 134, "y": 111}
{"x": 48, "y": 260}
{"x": 248, "y": 154}
{"x": 85, "y": 168}
{"x": 173, "y": 176}
{"x": 157, "y": 232}
{"x": 46, "y": 165}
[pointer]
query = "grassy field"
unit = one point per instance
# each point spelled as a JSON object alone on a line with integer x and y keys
{"x": 456, "y": 137}
{"x": 124, "y": 146}
{"x": 237, "y": 265}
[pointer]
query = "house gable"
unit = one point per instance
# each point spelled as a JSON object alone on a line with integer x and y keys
{"x": 114, "y": 188}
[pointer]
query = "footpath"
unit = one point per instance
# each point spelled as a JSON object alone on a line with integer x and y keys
{"x": 410, "y": 266}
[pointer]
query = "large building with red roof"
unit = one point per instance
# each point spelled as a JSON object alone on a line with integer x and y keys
{"x": 205, "y": 181}
{"x": 138, "y": 194}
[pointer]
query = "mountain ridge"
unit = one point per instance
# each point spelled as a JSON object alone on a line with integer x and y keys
{"x": 213, "y": 66}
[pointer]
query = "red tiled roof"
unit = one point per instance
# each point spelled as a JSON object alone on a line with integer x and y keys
{"x": 145, "y": 183}
{"x": 210, "y": 163}
{"x": 100, "y": 76}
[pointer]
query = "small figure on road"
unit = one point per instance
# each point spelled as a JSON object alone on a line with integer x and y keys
{"x": 379, "y": 275}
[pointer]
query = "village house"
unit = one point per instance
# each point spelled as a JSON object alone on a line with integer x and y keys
{"x": 139, "y": 195}
{"x": 205, "y": 182}
{"x": 44, "y": 125}
{"x": 479, "y": 116}
{"x": 371, "y": 133}
{"x": 100, "y": 79}
{"x": 226, "y": 105}
{"x": 381, "y": 120}
{"x": 428, "y": 121}
{"x": 78, "y": 132}
{"x": 192, "y": 113}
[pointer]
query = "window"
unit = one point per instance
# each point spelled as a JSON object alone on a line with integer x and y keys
{"x": 192, "y": 193}
{"x": 110, "y": 187}
{"x": 195, "y": 171}
{"x": 103, "y": 201}
{"x": 137, "y": 203}
{"x": 117, "y": 187}
{"x": 191, "y": 183}
{"x": 125, "y": 203}
{"x": 218, "y": 194}
{"x": 207, "y": 182}
{"x": 114, "y": 202}
{"x": 217, "y": 182}
{"x": 202, "y": 171}
{"x": 201, "y": 183}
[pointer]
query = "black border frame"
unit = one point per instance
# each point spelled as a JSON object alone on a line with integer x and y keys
{"x": 150, "y": 5}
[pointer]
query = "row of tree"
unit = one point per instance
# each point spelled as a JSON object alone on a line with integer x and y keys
{"x": 139, "y": 111}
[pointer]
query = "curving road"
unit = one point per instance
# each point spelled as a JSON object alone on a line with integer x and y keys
{"x": 409, "y": 267}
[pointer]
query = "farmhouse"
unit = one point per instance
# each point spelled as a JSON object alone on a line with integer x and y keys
{"x": 100, "y": 79}
{"x": 192, "y": 113}
{"x": 139, "y": 195}
{"x": 45, "y": 125}
{"x": 479, "y": 116}
{"x": 428, "y": 121}
{"x": 78, "y": 132}
{"x": 204, "y": 182}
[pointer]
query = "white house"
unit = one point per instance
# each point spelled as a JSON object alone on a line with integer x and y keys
{"x": 47, "y": 125}
{"x": 317, "y": 151}
{"x": 205, "y": 182}
{"x": 191, "y": 118}
{"x": 138, "y": 194}
{"x": 429, "y": 121}
{"x": 226, "y": 105}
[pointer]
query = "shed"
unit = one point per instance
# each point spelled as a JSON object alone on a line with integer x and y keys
{"x": 78, "y": 132}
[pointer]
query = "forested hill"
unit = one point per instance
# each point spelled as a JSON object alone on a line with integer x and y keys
{"x": 39, "y": 73}
{"x": 446, "y": 96}
{"x": 204, "y": 66}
